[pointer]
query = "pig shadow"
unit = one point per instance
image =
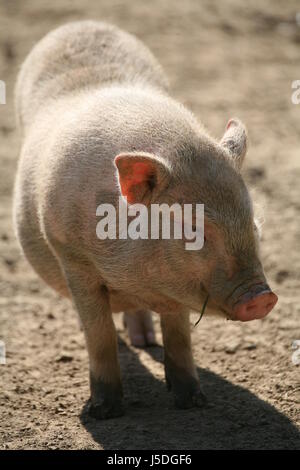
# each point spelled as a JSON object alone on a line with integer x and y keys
{"x": 233, "y": 419}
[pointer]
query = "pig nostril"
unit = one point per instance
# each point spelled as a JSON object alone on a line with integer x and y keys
{"x": 259, "y": 304}
{"x": 257, "y": 307}
{"x": 250, "y": 307}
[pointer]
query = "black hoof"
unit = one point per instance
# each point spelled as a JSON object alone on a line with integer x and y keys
{"x": 186, "y": 387}
{"x": 190, "y": 399}
{"x": 106, "y": 399}
{"x": 102, "y": 411}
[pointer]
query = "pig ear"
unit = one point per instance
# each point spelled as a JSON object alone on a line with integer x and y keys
{"x": 235, "y": 141}
{"x": 140, "y": 175}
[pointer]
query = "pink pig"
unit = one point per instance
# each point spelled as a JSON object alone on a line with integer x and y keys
{"x": 98, "y": 123}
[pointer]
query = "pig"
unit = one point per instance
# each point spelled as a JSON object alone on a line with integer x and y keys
{"x": 98, "y": 122}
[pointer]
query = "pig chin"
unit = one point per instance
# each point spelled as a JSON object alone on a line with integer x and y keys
{"x": 217, "y": 312}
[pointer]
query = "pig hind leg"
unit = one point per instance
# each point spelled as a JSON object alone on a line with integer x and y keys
{"x": 140, "y": 328}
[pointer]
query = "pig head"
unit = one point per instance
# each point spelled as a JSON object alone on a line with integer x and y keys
{"x": 227, "y": 269}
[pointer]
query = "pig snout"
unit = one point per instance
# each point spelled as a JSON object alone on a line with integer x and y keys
{"x": 255, "y": 304}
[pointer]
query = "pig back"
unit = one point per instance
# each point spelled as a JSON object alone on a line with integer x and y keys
{"x": 78, "y": 57}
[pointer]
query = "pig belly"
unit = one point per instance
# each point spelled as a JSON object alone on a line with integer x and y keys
{"x": 121, "y": 301}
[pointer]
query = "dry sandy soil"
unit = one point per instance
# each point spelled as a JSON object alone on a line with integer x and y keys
{"x": 223, "y": 59}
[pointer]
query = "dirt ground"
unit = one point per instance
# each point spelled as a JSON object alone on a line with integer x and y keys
{"x": 224, "y": 59}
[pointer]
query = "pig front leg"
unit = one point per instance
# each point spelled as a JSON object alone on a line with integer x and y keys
{"x": 92, "y": 302}
{"x": 181, "y": 374}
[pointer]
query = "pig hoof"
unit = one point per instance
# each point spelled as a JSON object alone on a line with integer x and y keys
{"x": 186, "y": 387}
{"x": 106, "y": 399}
{"x": 199, "y": 399}
{"x": 102, "y": 411}
{"x": 144, "y": 340}
{"x": 138, "y": 341}
{"x": 193, "y": 399}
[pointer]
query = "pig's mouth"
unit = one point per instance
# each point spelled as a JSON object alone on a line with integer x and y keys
{"x": 254, "y": 304}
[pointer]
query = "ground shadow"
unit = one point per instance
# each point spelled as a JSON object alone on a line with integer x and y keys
{"x": 233, "y": 419}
